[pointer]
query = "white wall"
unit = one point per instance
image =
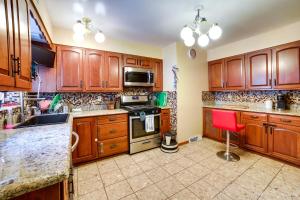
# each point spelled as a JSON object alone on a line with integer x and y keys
{"x": 64, "y": 36}
{"x": 275, "y": 37}
{"x": 169, "y": 60}
{"x": 193, "y": 78}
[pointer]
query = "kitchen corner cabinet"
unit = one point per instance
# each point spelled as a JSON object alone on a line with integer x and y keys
{"x": 15, "y": 58}
{"x": 157, "y": 67}
{"x": 87, "y": 146}
{"x": 216, "y": 75}
{"x": 165, "y": 125}
{"x": 100, "y": 137}
{"x": 286, "y": 66}
{"x": 259, "y": 69}
{"x": 69, "y": 69}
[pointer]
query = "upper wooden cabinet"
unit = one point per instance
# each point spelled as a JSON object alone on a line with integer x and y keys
{"x": 286, "y": 66}
{"x": 69, "y": 68}
{"x": 259, "y": 69}
{"x": 136, "y": 61}
{"x": 234, "y": 73}
{"x": 216, "y": 75}
{"x": 15, "y": 43}
{"x": 113, "y": 72}
{"x": 157, "y": 67}
{"x": 94, "y": 64}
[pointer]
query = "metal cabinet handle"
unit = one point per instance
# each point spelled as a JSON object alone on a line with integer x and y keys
{"x": 76, "y": 141}
{"x": 270, "y": 81}
{"x": 113, "y": 146}
{"x": 18, "y": 70}
{"x": 112, "y": 119}
{"x": 112, "y": 131}
{"x": 286, "y": 120}
{"x": 81, "y": 84}
{"x": 106, "y": 84}
{"x": 275, "y": 81}
{"x": 254, "y": 117}
{"x": 266, "y": 127}
{"x": 101, "y": 147}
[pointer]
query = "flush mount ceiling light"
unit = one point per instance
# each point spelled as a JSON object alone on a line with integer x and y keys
{"x": 187, "y": 33}
{"x": 84, "y": 27}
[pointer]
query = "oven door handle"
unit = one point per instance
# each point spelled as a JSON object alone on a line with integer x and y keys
{"x": 137, "y": 117}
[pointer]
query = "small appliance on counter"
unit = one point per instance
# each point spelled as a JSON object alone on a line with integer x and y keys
{"x": 281, "y": 102}
{"x": 144, "y": 123}
{"x": 169, "y": 144}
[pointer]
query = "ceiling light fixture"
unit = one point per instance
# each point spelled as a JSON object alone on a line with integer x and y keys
{"x": 84, "y": 27}
{"x": 187, "y": 33}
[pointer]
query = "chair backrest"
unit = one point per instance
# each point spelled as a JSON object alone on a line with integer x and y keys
{"x": 224, "y": 119}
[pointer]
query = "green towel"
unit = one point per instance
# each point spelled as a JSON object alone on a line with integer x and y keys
{"x": 55, "y": 101}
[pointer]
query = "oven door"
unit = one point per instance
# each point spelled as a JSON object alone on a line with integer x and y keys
{"x": 138, "y": 77}
{"x": 137, "y": 129}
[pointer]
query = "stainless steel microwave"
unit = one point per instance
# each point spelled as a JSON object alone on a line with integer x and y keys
{"x": 134, "y": 76}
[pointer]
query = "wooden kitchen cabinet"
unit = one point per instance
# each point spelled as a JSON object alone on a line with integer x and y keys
{"x": 286, "y": 65}
{"x": 136, "y": 61}
{"x": 165, "y": 121}
{"x": 157, "y": 67}
{"x": 234, "y": 73}
{"x": 69, "y": 69}
{"x": 113, "y": 72}
{"x": 94, "y": 64}
{"x": 113, "y": 146}
{"x": 208, "y": 129}
{"x": 259, "y": 69}
{"x": 216, "y": 75}
{"x": 15, "y": 43}
{"x": 284, "y": 142}
{"x": 87, "y": 146}
{"x": 255, "y": 134}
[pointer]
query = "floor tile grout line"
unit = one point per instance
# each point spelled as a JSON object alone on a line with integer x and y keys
{"x": 102, "y": 180}
{"x": 271, "y": 181}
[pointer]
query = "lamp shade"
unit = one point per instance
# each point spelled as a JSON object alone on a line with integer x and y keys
{"x": 186, "y": 33}
{"x": 99, "y": 37}
{"x": 78, "y": 27}
{"x": 215, "y": 32}
{"x": 189, "y": 41}
{"x": 77, "y": 37}
{"x": 203, "y": 40}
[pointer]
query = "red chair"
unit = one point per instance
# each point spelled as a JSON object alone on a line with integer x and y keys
{"x": 226, "y": 120}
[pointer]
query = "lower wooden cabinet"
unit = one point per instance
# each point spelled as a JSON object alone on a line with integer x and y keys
{"x": 165, "y": 124}
{"x": 100, "y": 136}
{"x": 87, "y": 146}
{"x": 273, "y": 135}
{"x": 255, "y": 135}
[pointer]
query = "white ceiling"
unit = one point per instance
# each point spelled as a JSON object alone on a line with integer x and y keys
{"x": 158, "y": 22}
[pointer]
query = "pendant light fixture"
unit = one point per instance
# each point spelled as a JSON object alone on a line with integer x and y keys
{"x": 187, "y": 33}
{"x": 84, "y": 27}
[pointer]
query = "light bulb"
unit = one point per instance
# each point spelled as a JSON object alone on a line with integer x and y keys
{"x": 215, "y": 32}
{"x": 78, "y": 28}
{"x": 189, "y": 41}
{"x": 203, "y": 40}
{"x": 99, "y": 37}
{"x": 186, "y": 32}
{"x": 78, "y": 37}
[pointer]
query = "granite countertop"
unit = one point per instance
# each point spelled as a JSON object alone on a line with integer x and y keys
{"x": 33, "y": 158}
{"x": 250, "y": 108}
{"x": 97, "y": 113}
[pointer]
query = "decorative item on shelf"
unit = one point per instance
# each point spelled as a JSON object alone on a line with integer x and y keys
{"x": 84, "y": 27}
{"x": 200, "y": 23}
{"x": 169, "y": 143}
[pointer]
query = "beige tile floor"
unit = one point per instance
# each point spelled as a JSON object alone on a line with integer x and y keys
{"x": 192, "y": 173}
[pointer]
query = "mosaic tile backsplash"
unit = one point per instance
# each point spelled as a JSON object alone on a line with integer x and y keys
{"x": 293, "y": 97}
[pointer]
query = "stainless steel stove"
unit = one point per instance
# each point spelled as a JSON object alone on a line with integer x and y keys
{"x": 138, "y": 108}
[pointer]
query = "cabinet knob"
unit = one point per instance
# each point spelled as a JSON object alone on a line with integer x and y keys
{"x": 101, "y": 147}
{"x": 96, "y": 139}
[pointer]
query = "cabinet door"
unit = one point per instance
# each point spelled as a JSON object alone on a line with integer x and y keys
{"x": 145, "y": 62}
{"x": 94, "y": 70}
{"x": 6, "y": 45}
{"x": 287, "y": 66}
{"x": 216, "y": 75}
{"x": 284, "y": 142}
{"x": 113, "y": 67}
{"x": 165, "y": 121}
{"x": 22, "y": 44}
{"x": 87, "y": 146}
{"x": 131, "y": 60}
{"x": 255, "y": 135}
{"x": 259, "y": 69}
{"x": 235, "y": 73}
{"x": 208, "y": 129}
{"x": 158, "y": 74}
{"x": 69, "y": 69}
{"x": 113, "y": 146}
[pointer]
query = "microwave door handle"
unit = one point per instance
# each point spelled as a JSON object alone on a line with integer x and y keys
{"x": 149, "y": 77}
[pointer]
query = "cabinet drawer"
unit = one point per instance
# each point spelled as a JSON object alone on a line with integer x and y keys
{"x": 113, "y": 146}
{"x": 254, "y": 116}
{"x": 113, "y": 130}
{"x": 165, "y": 111}
{"x": 283, "y": 119}
{"x": 112, "y": 118}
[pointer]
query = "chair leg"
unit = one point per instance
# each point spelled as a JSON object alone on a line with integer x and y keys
{"x": 227, "y": 155}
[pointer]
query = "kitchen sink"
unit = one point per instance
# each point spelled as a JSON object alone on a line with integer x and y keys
{"x": 236, "y": 106}
{"x": 42, "y": 120}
